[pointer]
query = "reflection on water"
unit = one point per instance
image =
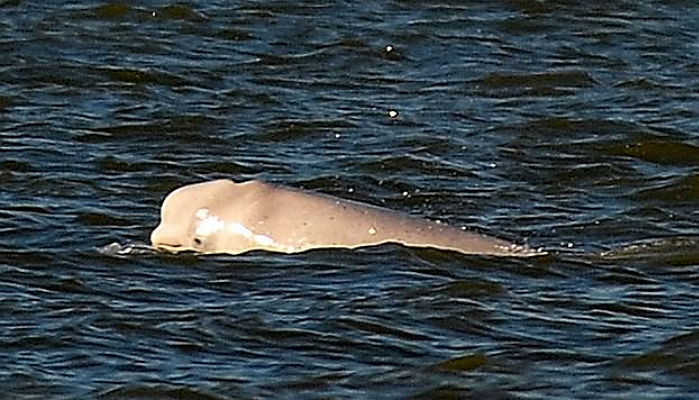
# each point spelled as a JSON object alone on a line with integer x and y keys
{"x": 566, "y": 125}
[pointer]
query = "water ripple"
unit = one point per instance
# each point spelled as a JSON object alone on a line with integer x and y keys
{"x": 567, "y": 125}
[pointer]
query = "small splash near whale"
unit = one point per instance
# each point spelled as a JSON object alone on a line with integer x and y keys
{"x": 116, "y": 249}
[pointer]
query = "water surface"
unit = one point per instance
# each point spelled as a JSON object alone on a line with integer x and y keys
{"x": 569, "y": 125}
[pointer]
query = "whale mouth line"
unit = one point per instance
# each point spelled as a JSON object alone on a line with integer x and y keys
{"x": 170, "y": 248}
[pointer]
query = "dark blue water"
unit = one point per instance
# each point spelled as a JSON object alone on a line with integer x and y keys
{"x": 564, "y": 124}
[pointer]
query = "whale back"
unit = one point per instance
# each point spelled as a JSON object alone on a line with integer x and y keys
{"x": 226, "y": 217}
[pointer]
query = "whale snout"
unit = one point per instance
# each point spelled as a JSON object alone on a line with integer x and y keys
{"x": 163, "y": 239}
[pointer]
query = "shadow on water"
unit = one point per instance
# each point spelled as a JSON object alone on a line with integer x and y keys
{"x": 677, "y": 355}
{"x": 676, "y": 251}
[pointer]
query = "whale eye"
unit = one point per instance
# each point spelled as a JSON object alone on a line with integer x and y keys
{"x": 197, "y": 242}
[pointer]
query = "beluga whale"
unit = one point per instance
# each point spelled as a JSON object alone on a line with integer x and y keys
{"x": 223, "y": 216}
